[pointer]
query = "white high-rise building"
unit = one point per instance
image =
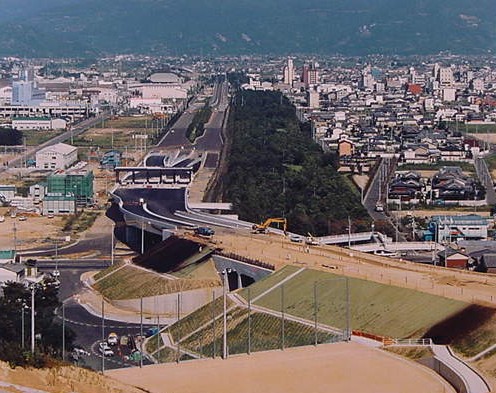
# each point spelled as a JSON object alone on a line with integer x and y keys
{"x": 289, "y": 72}
{"x": 445, "y": 76}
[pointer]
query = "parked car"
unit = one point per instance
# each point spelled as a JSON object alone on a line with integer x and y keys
{"x": 80, "y": 351}
{"x": 104, "y": 349}
{"x": 151, "y": 331}
{"x": 296, "y": 238}
{"x": 113, "y": 339}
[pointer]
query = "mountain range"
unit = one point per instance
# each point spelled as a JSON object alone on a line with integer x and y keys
{"x": 66, "y": 28}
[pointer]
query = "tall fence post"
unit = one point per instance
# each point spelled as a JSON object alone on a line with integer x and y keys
{"x": 282, "y": 318}
{"x": 213, "y": 324}
{"x": 249, "y": 320}
{"x": 315, "y": 310}
{"x": 178, "y": 328}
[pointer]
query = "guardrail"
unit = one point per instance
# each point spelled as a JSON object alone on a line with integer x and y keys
{"x": 411, "y": 342}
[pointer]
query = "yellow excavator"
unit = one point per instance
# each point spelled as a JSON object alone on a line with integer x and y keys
{"x": 263, "y": 227}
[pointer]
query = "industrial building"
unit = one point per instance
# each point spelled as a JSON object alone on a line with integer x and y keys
{"x": 75, "y": 182}
{"x": 452, "y": 228}
{"x": 38, "y": 123}
{"x": 57, "y": 203}
{"x": 59, "y": 156}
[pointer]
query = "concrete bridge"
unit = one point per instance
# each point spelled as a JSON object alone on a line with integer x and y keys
{"x": 400, "y": 246}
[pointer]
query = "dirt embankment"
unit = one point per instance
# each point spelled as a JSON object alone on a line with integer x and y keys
{"x": 62, "y": 379}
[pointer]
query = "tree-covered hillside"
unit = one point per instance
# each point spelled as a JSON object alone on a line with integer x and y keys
{"x": 351, "y": 27}
{"x": 276, "y": 170}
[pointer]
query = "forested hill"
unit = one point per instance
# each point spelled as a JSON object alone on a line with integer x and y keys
{"x": 62, "y": 28}
{"x": 275, "y": 170}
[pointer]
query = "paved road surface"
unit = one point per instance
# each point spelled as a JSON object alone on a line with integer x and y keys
{"x": 176, "y": 136}
{"x": 486, "y": 180}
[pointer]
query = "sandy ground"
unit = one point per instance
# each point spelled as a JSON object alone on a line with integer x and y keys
{"x": 461, "y": 285}
{"x": 488, "y": 365}
{"x": 30, "y": 233}
{"x": 336, "y": 368}
{"x": 59, "y": 380}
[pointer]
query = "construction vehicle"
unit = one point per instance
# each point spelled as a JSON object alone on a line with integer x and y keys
{"x": 204, "y": 231}
{"x": 310, "y": 240}
{"x": 264, "y": 227}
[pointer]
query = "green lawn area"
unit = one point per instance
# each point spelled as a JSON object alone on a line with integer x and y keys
{"x": 268, "y": 282}
{"x": 375, "y": 308}
{"x": 132, "y": 283}
{"x": 194, "y": 270}
{"x": 37, "y": 137}
{"x": 193, "y": 321}
{"x": 108, "y": 270}
{"x": 266, "y": 334}
{"x": 166, "y": 355}
{"x": 153, "y": 343}
{"x": 117, "y": 139}
{"x": 132, "y": 122}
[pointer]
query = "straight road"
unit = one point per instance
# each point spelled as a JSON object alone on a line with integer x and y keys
{"x": 176, "y": 136}
{"x": 77, "y": 130}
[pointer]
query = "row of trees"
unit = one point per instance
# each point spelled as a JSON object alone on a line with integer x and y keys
{"x": 276, "y": 170}
{"x": 197, "y": 126}
{"x": 15, "y": 309}
{"x": 10, "y": 137}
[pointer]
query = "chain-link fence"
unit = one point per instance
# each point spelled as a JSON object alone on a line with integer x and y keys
{"x": 279, "y": 317}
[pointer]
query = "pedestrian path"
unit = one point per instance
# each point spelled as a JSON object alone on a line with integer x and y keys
{"x": 474, "y": 383}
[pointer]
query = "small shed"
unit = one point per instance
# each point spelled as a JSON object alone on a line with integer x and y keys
{"x": 453, "y": 258}
{"x": 11, "y": 272}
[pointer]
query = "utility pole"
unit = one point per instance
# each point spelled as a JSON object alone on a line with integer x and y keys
{"x": 32, "y": 318}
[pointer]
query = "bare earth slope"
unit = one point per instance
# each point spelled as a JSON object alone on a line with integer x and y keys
{"x": 337, "y": 368}
{"x": 59, "y": 380}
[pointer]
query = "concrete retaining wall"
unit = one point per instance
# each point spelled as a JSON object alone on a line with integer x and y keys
{"x": 446, "y": 372}
{"x": 167, "y": 304}
{"x": 255, "y": 272}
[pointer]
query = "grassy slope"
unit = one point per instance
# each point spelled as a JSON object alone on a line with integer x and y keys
{"x": 132, "y": 283}
{"x": 268, "y": 282}
{"x": 375, "y": 308}
{"x": 266, "y": 334}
